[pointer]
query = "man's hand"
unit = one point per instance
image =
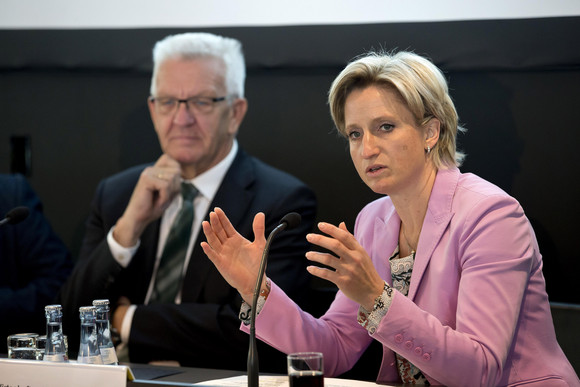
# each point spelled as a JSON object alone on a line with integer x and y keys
{"x": 122, "y": 305}
{"x": 156, "y": 188}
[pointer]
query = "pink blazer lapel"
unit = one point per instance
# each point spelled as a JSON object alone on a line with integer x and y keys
{"x": 439, "y": 214}
{"x": 386, "y": 231}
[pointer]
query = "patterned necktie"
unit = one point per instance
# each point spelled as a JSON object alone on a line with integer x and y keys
{"x": 168, "y": 278}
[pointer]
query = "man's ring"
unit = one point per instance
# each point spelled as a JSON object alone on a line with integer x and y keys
{"x": 160, "y": 176}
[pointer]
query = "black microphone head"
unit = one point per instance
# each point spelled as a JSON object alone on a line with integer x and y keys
{"x": 17, "y": 215}
{"x": 291, "y": 219}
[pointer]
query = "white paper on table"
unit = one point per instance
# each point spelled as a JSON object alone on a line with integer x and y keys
{"x": 282, "y": 381}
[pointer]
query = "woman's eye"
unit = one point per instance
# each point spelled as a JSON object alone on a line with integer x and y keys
{"x": 386, "y": 127}
{"x": 353, "y": 135}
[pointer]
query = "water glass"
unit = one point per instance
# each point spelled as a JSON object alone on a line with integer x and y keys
{"x": 22, "y": 346}
{"x": 306, "y": 369}
{"x": 40, "y": 347}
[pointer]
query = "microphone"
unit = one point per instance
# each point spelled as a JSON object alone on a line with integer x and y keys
{"x": 289, "y": 221}
{"x": 15, "y": 215}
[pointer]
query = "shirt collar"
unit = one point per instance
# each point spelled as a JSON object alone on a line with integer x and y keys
{"x": 209, "y": 182}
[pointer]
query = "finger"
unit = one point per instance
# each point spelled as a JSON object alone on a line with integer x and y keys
{"x": 340, "y": 233}
{"x": 323, "y": 273}
{"x": 172, "y": 177}
{"x": 167, "y": 169}
{"x": 166, "y": 182}
{"x": 259, "y": 227}
{"x": 159, "y": 173}
{"x": 162, "y": 194}
{"x": 323, "y": 258}
{"x": 158, "y": 192}
{"x": 217, "y": 227}
{"x": 166, "y": 161}
{"x": 226, "y": 225}
{"x": 332, "y": 244}
{"x": 211, "y": 253}
{"x": 212, "y": 239}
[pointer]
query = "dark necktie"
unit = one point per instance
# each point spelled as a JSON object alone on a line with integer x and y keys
{"x": 168, "y": 278}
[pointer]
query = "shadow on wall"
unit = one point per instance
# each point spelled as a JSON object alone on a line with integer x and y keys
{"x": 494, "y": 152}
{"x": 138, "y": 139}
{"x": 491, "y": 142}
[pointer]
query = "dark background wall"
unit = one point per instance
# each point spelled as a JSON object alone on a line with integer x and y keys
{"x": 80, "y": 98}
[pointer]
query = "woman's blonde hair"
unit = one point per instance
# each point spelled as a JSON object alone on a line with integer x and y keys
{"x": 421, "y": 86}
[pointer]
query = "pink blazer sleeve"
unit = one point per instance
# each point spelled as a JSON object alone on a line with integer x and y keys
{"x": 283, "y": 325}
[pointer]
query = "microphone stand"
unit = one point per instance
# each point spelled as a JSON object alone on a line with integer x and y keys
{"x": 253, "y": 373}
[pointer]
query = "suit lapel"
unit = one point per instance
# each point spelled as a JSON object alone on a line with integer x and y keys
{"x": 437, "y": 218}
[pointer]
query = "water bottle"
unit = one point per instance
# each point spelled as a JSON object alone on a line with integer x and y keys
{"x": 55, "y": 345}
{"x": 104, "y": 340}
{"x": 89, "y": 348}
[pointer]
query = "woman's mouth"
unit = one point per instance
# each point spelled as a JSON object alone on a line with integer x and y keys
{"x": 375, "y": 168}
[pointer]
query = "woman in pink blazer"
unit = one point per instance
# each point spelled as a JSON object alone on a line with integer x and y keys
{"x": 444, "y": 272}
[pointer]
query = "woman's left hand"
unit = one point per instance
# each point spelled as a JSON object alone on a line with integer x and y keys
{"x": 354, "y": 272}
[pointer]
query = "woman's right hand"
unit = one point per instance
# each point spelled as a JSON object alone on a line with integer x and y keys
{"x": 236, "y": 258}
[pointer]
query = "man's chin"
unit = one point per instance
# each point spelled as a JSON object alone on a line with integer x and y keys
{"x": 184, "y": 155}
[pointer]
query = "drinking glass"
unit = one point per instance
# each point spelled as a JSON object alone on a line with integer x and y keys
{"x": 40, "y": 347}
{"x": 306, "y": 369}
{"x": 22, "y": 346}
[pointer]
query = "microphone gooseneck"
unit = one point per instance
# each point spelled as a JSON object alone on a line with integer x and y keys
{"x": 289, "y": 221}
{"x": 15, "y": 215}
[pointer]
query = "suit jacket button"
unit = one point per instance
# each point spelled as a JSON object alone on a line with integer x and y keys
{"x": 399, "y": 338}
{"x": 418, "y": 351}
{"x": 408, "y": 344}
{"x": 426, "y": 356}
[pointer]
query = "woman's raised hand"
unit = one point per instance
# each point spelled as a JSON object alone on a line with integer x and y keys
{"x": 236, "y": 258}
{"x": 354, "y": 272}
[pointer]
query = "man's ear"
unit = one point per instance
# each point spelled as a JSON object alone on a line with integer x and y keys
{"x": 152, "y": 113}
{"x": 239, "y": 109}
{"x": 151, "y": 106}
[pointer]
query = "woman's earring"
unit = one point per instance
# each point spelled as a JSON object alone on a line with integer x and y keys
{"x": 428, "y": 149}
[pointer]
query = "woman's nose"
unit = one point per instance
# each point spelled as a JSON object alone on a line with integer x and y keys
{"x": 369, "y": 146}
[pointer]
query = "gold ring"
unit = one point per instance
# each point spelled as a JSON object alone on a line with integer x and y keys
{"x": 160, "y": 176}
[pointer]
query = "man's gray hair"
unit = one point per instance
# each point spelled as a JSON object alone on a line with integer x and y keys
{"x": 193, "y": 45}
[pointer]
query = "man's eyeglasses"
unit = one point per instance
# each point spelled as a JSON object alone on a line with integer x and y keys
{"x": 169, "y": 105}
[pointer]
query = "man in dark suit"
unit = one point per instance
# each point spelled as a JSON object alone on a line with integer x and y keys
{"x": 34, "y": 262}
{"x": 197, "y": 105}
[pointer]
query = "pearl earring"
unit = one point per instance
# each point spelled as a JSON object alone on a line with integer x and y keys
{"x": 428, "y": 149}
